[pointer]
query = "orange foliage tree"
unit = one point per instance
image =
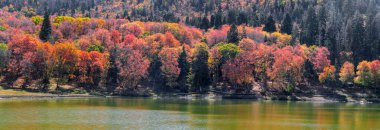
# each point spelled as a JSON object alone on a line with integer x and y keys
{"x": 66, "y": 58}
{"x": 368, "y": 73}
{"x": 347, "y": 73}
{"x": 328, "y": 74}
{"x": 91, "y": 67}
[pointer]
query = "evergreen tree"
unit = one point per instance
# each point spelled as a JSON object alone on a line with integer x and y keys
{"x": 322, "y": 19}
{"x": 361, "y": 50}
{"x": 309, "y": 72}
{"x": 255, "y": 22}
{"x": 310, "y": 27}
{"x": 231, "y": 17}
{"x": 125, "y": 14}
{"x": 155, "y": 74}
{"x": 233, "y": 35}
{"x": 218, "y": 20}
{"x": 270, "y": 25}
{"x": 287, "y": 25}
{"x": 205, "y": 23}
{"x": 112, "y": 73}
{"x": 212, "y": 21}
{"x": 242, "y": 18}
{"x": 200, "y": 70}
{"x": 45, "y": 28}
{"x": 373, "y": 36}
{"x": 183, "y": 64}
{"x": 187, "y": 21}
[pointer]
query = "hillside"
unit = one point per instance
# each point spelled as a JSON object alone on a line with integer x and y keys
{"x": 110, "y": 47}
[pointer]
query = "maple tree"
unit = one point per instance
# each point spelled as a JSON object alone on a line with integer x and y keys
{"x": 115, "y": 37}
{"x": 133, "y": 68}
{"x": 103, "y": 36}
{"x": 328, "y": 74}
{"x": 66, "y": 28}
{"x": 170, "y": 67}
{"x": 65, "y": 61}
{"x": 262, "y": 59}
{"x": 238, "y": 71}
{"x": 44, "y": 63}
{"x": 91, "y": 67}
{"x": 131, "y": 28}
{"x": 170, "y": 40}
{"x": 347, "y": 73}
{"x": 216, "y": 36}
{"x": 320, "y": 59}
{"x": 22, "y": 49}
{"x": 368, "y": 73}
{"x": 287, "y": 66}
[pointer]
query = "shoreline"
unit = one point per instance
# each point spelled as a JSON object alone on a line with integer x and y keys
{"x": 313, "y": 99}
{"x": 47, "y": 96}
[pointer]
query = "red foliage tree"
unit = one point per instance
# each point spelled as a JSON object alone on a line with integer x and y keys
{"x": 133, "y": 68}
{"x": 262, "y": 59}
{"x": 216, "y": 36}
{"x": 287, "y": 66}
{"x": 103, "y": 36}
{"x": 131, "y": 28}
{"x": 66, "y": 28}
{"x": 238, "y": 71}
{"x": 23, "y": 50}
{"x": 115, "y": 37}
{"x": 247, "y": 44}
{"x": 320, "y": 59}
{"x": 83, "y": 43}
{"x": 169, "y": 60}
{"x": 170, "y": 40}
{"x": 44, "y": 61}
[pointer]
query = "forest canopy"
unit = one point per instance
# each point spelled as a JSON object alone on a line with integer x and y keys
{"x": 121, "y": 46}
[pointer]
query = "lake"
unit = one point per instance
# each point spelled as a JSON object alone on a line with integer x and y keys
{"x": 148, "y": 113}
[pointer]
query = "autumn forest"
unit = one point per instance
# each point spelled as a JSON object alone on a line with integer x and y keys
{"x": 139, "y": 47}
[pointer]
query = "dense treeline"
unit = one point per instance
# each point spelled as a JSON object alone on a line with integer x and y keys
{"x": 333, "y": 43}
{"x": 349, "y": 28}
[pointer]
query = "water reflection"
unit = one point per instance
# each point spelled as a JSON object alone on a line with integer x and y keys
{"x": 146, "y": 113}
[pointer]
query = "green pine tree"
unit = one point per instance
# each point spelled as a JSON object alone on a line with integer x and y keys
{"x": 205, "y": 23}
{"x": 287, "y": 25}
{"x": 233, "y": 35}
{"x": 270, "y": 25}
{"x": 183, "y": 64}
{"x": 200, "y": 70}
{"x": 46, "y": 28}
{"x": 218, "y": 20}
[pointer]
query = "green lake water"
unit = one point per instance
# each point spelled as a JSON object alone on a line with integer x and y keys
{"x": 147, "y": 113}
